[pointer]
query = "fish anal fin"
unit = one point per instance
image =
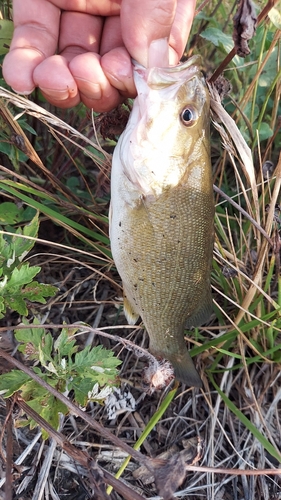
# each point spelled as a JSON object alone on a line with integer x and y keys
{"x": 129, "y": 310}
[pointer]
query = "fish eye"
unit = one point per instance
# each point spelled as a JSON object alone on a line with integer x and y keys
{"x": 188, "y": 116}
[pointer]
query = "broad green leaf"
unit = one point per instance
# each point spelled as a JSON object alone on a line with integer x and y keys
{"x": 81, "y": 387}
{"x": 22, "y": 245}
{"x": 36, "y": 292}
{"x": 248, "y": 110}
{"x": 32, "y": 391}
{"x": 10, "y": 213}
{"x": 52, "y": 409}
{"x": 220, "y": 39}
{"x": 35, "y": 343}
{"x": 30, "y": 336}
{"x": 45, "y": 349}
{"x": 213, "y": 35}
{"x": 28, "y": 214}
{"x": 12, "y": 382}
{"x": 97, "y": 359}
{"x": 275, "y": 17}
{"x": 44, "y": 409}
{"x": 6, "y": 33}
{"x": 25, "y": 126}
{"x": 63, "y": 345}
{"x": 264, "y": 131}
{"x": 204, "y": 16}
{"x": 108, "y": 377}
{"x": 269, "y": 71}
{"x": 16, "y": 303}
{"x": 21, "y": 276}
{"x": 15, "y": 155}
{"x": 5, "y": 148}
{"x": 32, "y": 228}
{"x": 6, "y": 251}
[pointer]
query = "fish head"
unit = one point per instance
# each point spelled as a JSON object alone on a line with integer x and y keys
{"x": 167, "y": 128}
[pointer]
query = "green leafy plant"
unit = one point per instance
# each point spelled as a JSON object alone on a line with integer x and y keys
{"x": 63, "y": 367}
{"x": 6, "y": 33}
{"x": 17, "y": 285}
{"x": 60, "y": 363}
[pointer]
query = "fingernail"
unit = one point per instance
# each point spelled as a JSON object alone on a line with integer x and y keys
{"x": 88, "y": 89}
{"x": 23, "y": 92}
{"x": 58, "y": 94}
{"x": 158, "y": 53}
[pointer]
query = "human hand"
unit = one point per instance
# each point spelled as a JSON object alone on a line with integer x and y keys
{"x": 93, "y": 42}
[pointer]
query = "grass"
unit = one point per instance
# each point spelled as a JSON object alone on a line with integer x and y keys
{"x": 63, "y": 171}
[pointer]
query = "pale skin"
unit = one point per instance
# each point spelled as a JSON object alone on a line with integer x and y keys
{"x": 81, "y": 50}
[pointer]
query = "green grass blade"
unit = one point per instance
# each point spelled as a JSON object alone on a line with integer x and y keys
{"x": 63, "y": 220}
{"x": 248, "y": 424}
{"x": 151, "y": 424}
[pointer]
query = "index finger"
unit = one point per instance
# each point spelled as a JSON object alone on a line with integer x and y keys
{"x": 35, "y": 38}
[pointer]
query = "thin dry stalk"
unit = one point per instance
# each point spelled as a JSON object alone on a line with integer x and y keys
{"x": 257, "y": 280}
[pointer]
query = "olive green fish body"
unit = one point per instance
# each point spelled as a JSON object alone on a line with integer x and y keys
{"x": 161, "y": 226}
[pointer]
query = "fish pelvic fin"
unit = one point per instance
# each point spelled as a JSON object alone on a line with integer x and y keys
{"x": 130, "y": 312}
{"x": 185, "y": 370}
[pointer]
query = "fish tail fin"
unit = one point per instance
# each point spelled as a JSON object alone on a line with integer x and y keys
{"x": 185, "y": 371}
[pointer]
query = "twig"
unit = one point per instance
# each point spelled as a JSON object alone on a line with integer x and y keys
{"x": 77, "y": 411}
{"x": 201, "y": 7}
{"x": 131, "y": 346}
{"x": 9, "y": 452}
{"x": 234, "y": 472}
{"x": 82, "y": 457}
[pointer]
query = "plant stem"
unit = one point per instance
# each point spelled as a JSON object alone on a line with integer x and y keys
{"x": 151, "y": 424}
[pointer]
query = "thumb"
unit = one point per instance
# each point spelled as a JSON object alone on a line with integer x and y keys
{"x": 148, "y": 20}
{"x": 145, "y": 21}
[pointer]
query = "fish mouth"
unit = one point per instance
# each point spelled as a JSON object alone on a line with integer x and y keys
{"x": 194, "y": 60}
{"x": 162, "y": 77}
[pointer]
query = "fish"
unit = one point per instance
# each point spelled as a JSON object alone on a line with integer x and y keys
{"x": 162, "y": 209}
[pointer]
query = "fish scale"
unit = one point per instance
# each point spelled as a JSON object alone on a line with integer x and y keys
{"x": 161, "y": 226}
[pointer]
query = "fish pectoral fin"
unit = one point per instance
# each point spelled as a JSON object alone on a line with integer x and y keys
{"x": 130, "y": 312}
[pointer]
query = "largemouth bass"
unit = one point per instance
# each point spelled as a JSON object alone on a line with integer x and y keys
{"x": 162, "y": 209}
